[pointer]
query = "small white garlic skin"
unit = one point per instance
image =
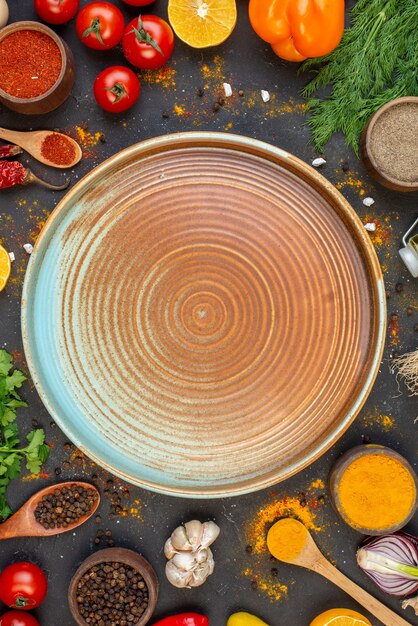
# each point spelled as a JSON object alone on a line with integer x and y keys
{"x": 4, "y": 13}
{"x": 210, "y": 534}
{"x": 169, "y": 550}
{"x": 179, "y": 539}
{"x": 176, "y": 577}
{"x": 194, "y": 532}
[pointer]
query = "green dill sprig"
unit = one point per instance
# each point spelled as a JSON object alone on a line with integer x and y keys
{"x": 375, "y": 62}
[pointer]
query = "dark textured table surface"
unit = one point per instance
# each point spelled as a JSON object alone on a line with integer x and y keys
{"x": 243, "y": 579}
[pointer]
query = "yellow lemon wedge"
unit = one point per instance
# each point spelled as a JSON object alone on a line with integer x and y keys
{"x": 202, "y": 23}
{"x": 340, "y": 617}
{"x": 5, "y": 266}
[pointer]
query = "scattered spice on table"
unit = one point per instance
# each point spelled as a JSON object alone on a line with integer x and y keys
{"x": 58, "y": 149}
{"x": 65, "y": 506}
{"x": 30, "y": 63}
{"x": 376, "y": 491}
{"x": 112, "y": 593}
{"x": 394, "y": 142}
{"x": 9, "y": 150}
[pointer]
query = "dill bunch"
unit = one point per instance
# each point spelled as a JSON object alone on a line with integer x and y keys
{"x": 375, "y": 62}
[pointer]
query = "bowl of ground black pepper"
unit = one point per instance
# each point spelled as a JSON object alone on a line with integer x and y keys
{"x": 36, "y": 68}
{"x": 389, "y": 144}
{"x": 113, "y": 587}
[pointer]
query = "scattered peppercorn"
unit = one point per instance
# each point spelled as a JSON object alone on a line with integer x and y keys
{"x": 394, "y": 317}
{"x": 254, "y": 584}
{"x": 98, "y": 519}
{"x": 215, "y": 107}
{"x": 388, "y": 294}
{"x": 102, "y": 138}
{"x": 241, "y": 93}
{"x": 65, "y": 506}
{"x": 53, "y": 425}
{"x": 221, "y": 101}
{"x": 249, "y": 549}
{"x": 345, "y": 167}
{"x": 58, "y": 471}
{"x": 166, "y": 115}
{"x": 200, "y": 92}
{"x": 112, "y": 593}
{"x": 274, "y": 571}
{"x": 366, "y": 439}
{"x": 409, "y": 311}
{"x": 399, "y": 287}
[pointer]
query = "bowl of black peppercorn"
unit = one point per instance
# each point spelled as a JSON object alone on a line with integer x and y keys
{"x": 113, "y": 586}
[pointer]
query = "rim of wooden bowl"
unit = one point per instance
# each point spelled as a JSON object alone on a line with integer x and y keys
{"x": 347, "y": 459}
{"x": 408, "y": 186}
{"x": 31, "y": 25}
{"x": 118, "y": 555}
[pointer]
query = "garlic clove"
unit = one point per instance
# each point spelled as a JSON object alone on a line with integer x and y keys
{"x": 179, "y": 539}
{"x": 169, "y": 550}
{"x": 210, "y": 562}
{"x": 202, "y": 554}
{"x": 194, "y": 532}
{"x": 210, "y": 534}
{"x": 178, "y": 578}
{"x": 185, "y": 561}
{"x": 200, "y": 574}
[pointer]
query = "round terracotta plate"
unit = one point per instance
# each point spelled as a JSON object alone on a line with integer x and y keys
{"x": 203, "y": 314}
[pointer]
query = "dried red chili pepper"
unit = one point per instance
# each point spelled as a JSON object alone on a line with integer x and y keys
{"x": 9, "y": 150}
{"x": 13, "y": 173}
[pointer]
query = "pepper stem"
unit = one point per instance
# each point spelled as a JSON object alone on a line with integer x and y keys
{"x": 32, "y": 178}
{"x": 95, "y": 29}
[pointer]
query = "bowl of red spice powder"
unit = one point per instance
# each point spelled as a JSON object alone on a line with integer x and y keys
{"x": 36, "y": 68}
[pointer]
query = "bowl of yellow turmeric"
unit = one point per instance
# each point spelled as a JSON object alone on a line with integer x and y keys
{"x": 374, "y": 489}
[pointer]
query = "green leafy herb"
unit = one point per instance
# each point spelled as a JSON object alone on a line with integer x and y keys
{"x": 375, "y": 62}
{"x": 35, "y": 453}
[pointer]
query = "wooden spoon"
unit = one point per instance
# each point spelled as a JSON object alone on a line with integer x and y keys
{"x": 24, "y": 524}
{"x": 31, "y": 141}
{"x": 310, "y": 557}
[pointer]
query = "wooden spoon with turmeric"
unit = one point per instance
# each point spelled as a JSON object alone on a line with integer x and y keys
{"x": 289, "y": 540}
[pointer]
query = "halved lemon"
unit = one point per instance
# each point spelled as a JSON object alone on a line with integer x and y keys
{"x": 340, "y": 617}
{"x": 202, "y": 23}
{"x": 5, "y": 266}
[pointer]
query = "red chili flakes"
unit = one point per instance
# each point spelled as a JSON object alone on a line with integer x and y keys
{"x": 30, "y": 63}
{"x": 58, "y": 149}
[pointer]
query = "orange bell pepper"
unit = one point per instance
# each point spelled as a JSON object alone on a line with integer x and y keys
{"x": 298, "y": 29}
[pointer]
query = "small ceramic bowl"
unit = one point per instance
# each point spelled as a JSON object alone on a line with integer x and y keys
{"x": 126, "y": 557}
{"x": 59, "y": 92}
{"x": 367, "y": 154}
{"x": 340, "y": 467}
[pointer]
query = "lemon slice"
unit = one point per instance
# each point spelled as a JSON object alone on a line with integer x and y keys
{"x": 340, "y": 617}
{"x": 202, "y": 23}
{"x": 5, "y": 266}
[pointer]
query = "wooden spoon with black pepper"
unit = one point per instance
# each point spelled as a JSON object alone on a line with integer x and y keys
{"x": 48, "y": 147}
{"x": 52, "y": 511}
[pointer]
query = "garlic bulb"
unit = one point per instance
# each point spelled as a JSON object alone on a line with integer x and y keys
{"x": 190, "y": 560}
{"x": 4, "y": 13}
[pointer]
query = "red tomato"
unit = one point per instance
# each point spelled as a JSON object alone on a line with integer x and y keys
{"x": 18, "y": 618}
{"x": 148, "y": 42}
{"x": 100, "y": 25}
{"x": 138, "y": 3}
{"x": 116, "y": 89}
{"x": 56, "y": 11}
{"x": 23, "y": 585}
